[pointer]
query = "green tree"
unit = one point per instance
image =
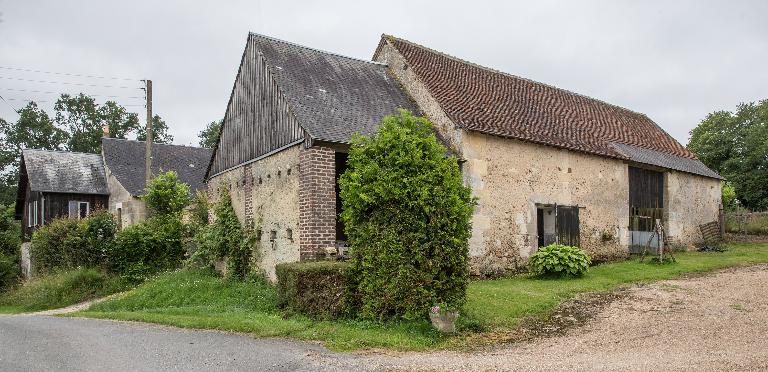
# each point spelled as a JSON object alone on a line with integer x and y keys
{"x": 210, "y": 135}
{"x": 10, "y": 232}
{"x": 121, "y": 122}
{"x": 736, "y": 146}
{"x": 79, "y": 116}
{"x": 407, "y": 216}
{"x": 160, "y": 133}
{"x": 166, "y": 195}
{"x": 33, "y": 130}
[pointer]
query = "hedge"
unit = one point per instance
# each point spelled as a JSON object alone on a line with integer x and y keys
{"x": 316, "y": 289}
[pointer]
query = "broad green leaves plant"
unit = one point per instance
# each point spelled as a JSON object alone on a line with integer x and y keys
{"x": 559, "y": 260}
{"x": 407, "y": 216}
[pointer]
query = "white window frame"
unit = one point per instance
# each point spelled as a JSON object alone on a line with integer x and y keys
{"x": 36, "y": 219}
{"x": 30, "y": 208}
{"x": 87, "y": 209}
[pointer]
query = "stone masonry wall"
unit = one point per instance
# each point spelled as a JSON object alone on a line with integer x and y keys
{"x": 317, "y": 201}
{"x": 265, "y": 194}
{"x": 690, "y": 201}
{"x": 133, "y": 210}
{"x": 510, "y": 177}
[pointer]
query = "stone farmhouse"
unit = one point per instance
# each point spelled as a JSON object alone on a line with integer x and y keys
{"x": 547, "y": 165}
{"x": 68, "y": 184}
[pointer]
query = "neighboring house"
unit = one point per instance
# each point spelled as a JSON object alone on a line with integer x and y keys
{"x": 125, "y": 167}
{"x": 547, "y": 165}
{"x": 284, "y": 140}
{"x": 56, "y": 184}
{"x": 68, "y": 184}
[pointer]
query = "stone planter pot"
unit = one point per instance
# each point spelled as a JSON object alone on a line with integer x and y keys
{"x": 444, "y": 321}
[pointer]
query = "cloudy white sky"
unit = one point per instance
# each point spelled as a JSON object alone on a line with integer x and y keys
{"x": 676, "y": 61}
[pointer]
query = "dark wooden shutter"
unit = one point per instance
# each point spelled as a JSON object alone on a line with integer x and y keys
{"x": 567, "y": 225}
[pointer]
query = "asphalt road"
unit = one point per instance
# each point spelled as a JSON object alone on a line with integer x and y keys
{"x": 44, "y": 343}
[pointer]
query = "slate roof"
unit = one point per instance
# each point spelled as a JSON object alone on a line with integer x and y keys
{"x": 126, "y": 160}
{"x": 664, "y": 160}
{"x": 481, "y": 99}
{"x": 332, "y": 96}
{"x": 65, "y": 172}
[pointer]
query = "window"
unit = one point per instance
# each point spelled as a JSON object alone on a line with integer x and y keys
{"x": 557, "y": 224}
{"x": 289, "y": 234}
{"x": 273, "y": 235}
{"x": 30, "y": 212}
{"x": 79, "y": 209}
{"x": 36, "y": 219}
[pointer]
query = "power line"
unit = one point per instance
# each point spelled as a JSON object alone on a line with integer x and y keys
{"x": 68, "y": 83}
{"x": 47, "y": 101}
{"x": 67, "y": 74}
{"x": 87, "y": 94}
{"x": 9, "y": 105}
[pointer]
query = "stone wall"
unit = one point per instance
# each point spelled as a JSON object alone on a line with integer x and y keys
{"x": 511, "y": 177}
{"x": 317, "y": 201}
{"x": 265, "y": 193}
{"x": 690, "y": 201}
{"x": 448, "y": 131}
{"x": 132, "y": 209}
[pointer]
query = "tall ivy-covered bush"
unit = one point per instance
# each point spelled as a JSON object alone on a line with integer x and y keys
{"x": 225, "y": 238}
{"x": 407, "y": 216}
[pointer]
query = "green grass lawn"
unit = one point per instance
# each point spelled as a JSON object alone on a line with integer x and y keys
{"x": 59, "y": 290}
{"x": 200, "y": 300}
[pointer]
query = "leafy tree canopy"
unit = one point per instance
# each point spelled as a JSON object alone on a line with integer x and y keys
{"x": 166, "y": 195}
{"x": 160, "y": 132}
{"x": 77, "y": 125}
{"x": 210, "y": 135}
{"x": 735, "y": 144}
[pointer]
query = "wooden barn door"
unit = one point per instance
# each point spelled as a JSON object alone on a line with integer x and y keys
{"x": 567, "y": 225}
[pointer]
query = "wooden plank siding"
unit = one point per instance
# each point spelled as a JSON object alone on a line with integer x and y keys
{"x": 257, "y": 120}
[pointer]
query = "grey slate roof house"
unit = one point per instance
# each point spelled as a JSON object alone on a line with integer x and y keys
{"x": 283, "y": 144}
{"x": 125, "y": 168}
{"x": 546, "y": 164}
{"x": 58, "y": 184}
{"x": 67, "y": 184}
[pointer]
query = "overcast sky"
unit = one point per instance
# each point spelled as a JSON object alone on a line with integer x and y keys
{"x": 675, "y": 61}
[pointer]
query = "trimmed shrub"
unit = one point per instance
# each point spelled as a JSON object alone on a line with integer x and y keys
{"x": 559, "y": 260}
{"x": 147, "y": 247}
{"x": 68, "y": 243}
{"x": 407, "y": 216}
{"x": 316, "y": 289}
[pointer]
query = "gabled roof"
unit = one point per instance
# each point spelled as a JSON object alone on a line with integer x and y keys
{"x": 332, "y": 96}
{"x": 65, "y": 172}
{"x": 126, "y": 160}
{"x": 481, "y": 99}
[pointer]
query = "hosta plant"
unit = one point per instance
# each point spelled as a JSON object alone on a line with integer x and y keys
{"x": 559, "y": 260}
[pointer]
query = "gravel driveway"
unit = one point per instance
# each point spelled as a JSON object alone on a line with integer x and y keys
{"x": 713, "y": 322}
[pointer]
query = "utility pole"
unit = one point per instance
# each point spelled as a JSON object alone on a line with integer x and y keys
{"x": 149, "y": 129}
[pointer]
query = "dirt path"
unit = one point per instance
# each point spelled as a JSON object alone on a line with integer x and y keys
{"x": 714, "y": 322}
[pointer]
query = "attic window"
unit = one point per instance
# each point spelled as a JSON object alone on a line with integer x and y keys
{"x": 273, "y": 235}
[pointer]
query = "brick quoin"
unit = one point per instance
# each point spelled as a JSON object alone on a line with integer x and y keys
{"x": 248, "y": 190}
{"x": 317, "y": 201}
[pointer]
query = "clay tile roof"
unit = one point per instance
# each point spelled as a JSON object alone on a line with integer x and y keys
{"x": 126, "y": 160}
{"x": 481, "y": 99}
